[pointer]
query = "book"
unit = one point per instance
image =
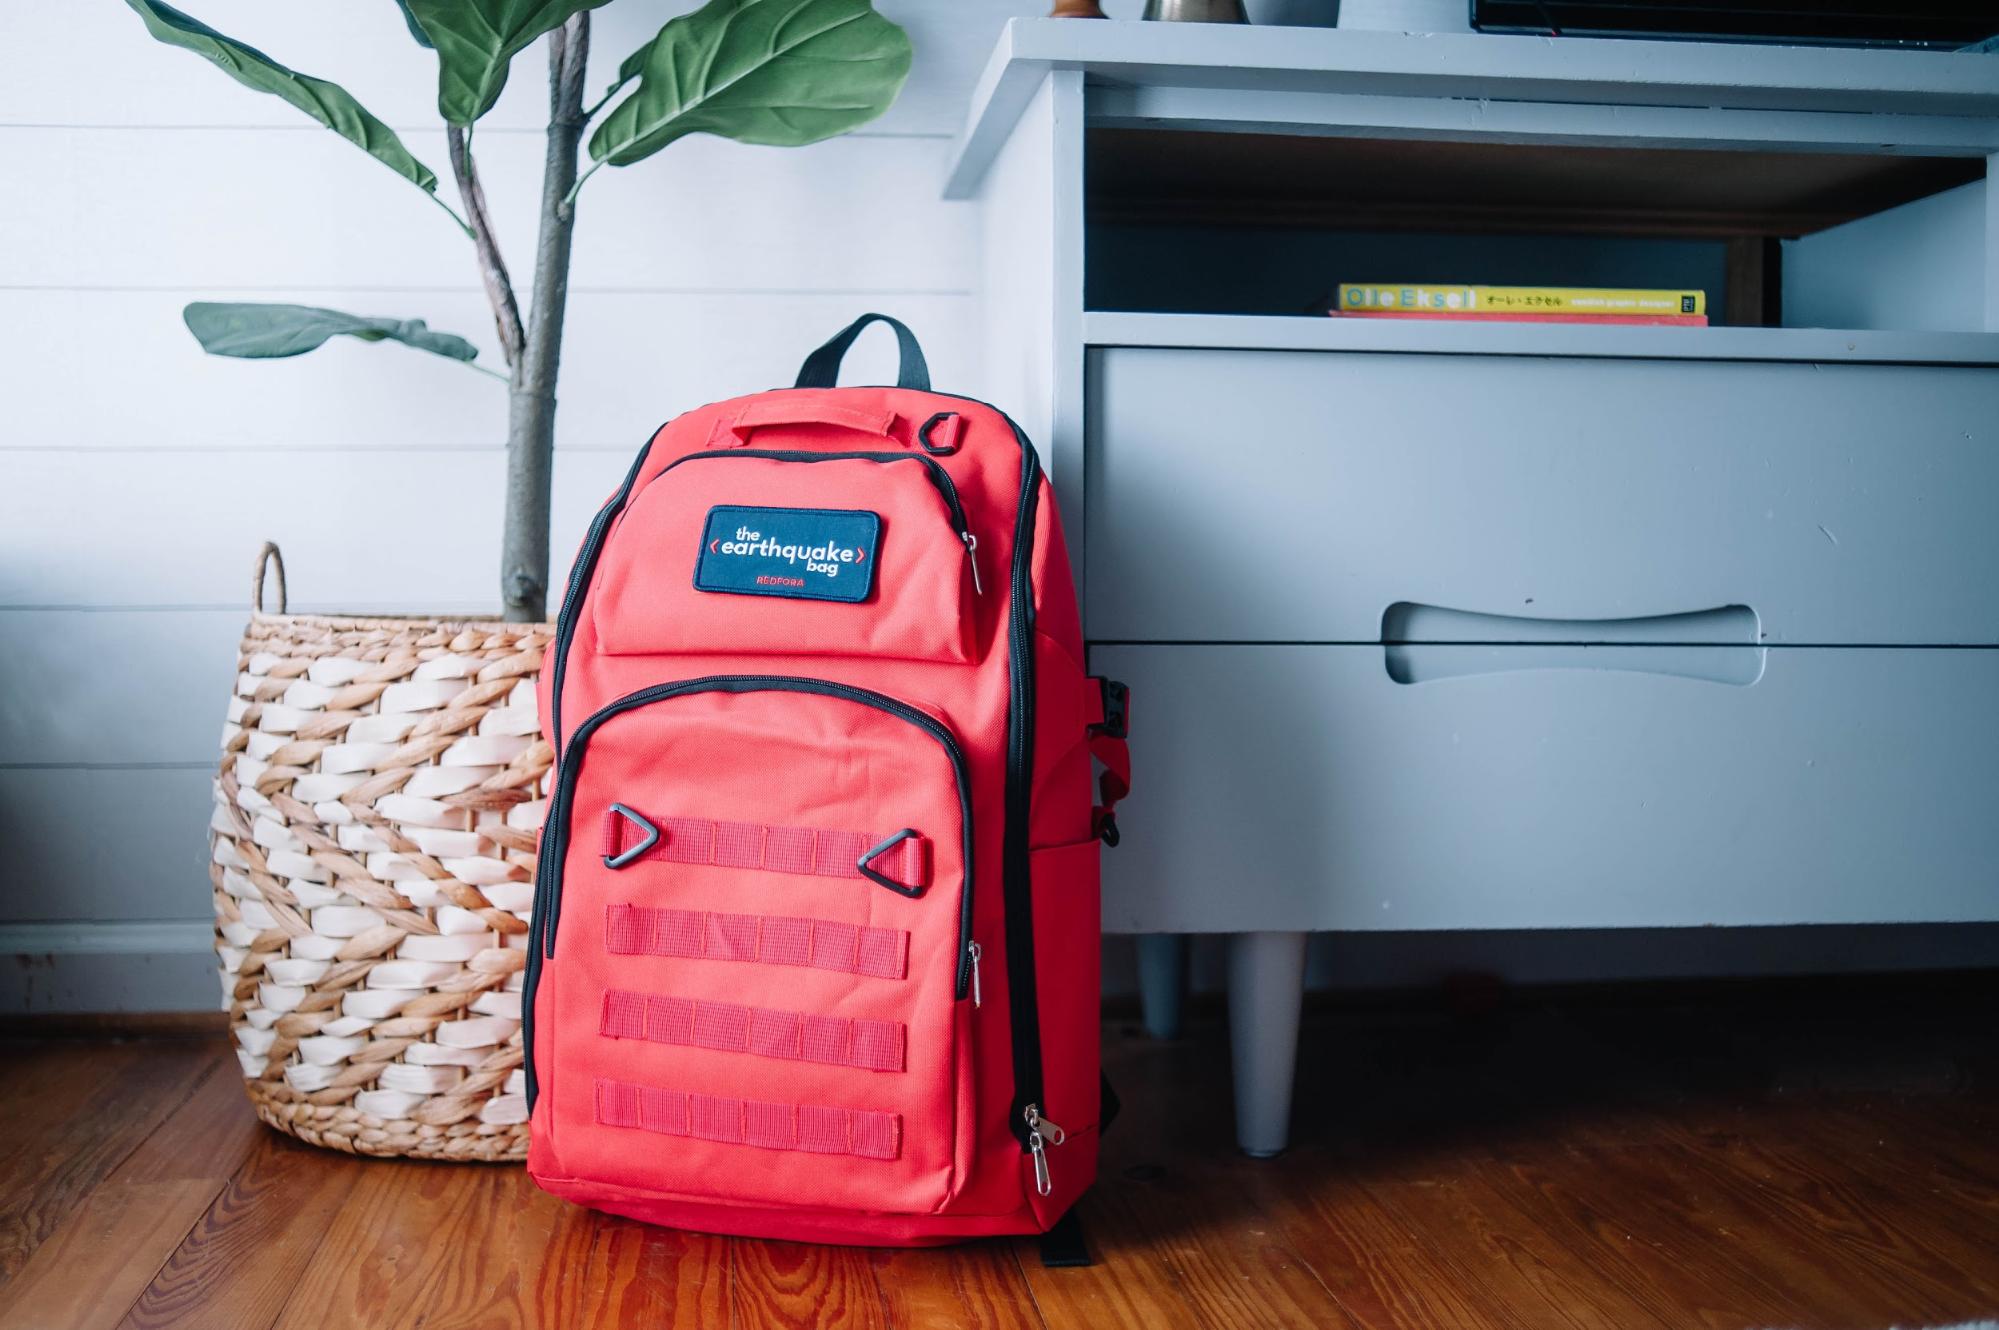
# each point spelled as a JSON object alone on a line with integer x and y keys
{"x": 1494, "y": 316}
{"x": 1589, "y": 301}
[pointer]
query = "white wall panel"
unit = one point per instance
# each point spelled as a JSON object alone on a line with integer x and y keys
{"x": 118, "y": 369}
{"x": 106, "y": 845}
{"x": 366, "y": 50}
{"x": 408, "y": 531}
{"x": 257, "y": 209}
{"x": 118, "y": 687}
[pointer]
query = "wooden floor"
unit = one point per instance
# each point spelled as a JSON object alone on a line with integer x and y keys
{"x": 1774, "y": 1155}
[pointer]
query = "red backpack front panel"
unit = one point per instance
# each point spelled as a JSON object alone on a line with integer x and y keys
{"x": 815, "y": 940}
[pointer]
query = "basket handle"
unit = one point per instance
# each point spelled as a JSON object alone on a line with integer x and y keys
{"x": 266, "y": 557}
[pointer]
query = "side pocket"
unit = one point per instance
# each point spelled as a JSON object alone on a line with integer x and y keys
{"x": 1067, "y": 962}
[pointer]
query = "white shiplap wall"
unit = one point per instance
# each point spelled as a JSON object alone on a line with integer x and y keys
{"x": 137, "y": 476}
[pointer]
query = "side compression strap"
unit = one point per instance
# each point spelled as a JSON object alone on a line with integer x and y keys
{"x": 1109, "y": 714}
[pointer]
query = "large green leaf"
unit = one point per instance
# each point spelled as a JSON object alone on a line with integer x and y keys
{"x": 422, "y": 37}
{"x": 477, "y": 39}
{"x": 780, "y": 72}
{"x": 328, "y": 103}
{"x": 260, "y": 332}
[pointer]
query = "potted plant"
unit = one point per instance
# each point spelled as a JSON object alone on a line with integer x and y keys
{"x": 378, "y": 801}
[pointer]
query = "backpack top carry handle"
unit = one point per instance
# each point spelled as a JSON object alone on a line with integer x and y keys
{"x": 822, "y": 368}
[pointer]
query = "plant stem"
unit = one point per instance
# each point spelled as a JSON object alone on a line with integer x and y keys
{"x": 569, "y": 199}
{"x": 450, "y": 212}
{"x": 605, "y": 100}
{"x": 489, "y": 373}
{"x": 492, "y": 268}
{"x": 531, "y": 399}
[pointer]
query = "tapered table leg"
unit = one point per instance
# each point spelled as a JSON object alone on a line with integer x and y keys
{"x": 1266, "y": 985}
{"x": 1162, "y": 982}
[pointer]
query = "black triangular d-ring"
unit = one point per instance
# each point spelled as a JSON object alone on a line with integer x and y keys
{"x": 866, "y": 864}
{"x": 638, "y": 820}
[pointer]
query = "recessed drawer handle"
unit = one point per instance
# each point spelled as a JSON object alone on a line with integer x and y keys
{"x": 1425, "y": 642}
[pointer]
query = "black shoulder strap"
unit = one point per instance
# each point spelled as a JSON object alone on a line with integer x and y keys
{"x": 822, "y": 368}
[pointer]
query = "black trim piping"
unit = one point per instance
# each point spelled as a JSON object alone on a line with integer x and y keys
{"x": 1023, "y": 997}
{"x": 1016, "y": 879}
{"x": 580, "y": 574}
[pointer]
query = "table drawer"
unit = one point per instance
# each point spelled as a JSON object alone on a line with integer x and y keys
{"x": 1297, "y": 496}
{"x": 1302, "y": 787}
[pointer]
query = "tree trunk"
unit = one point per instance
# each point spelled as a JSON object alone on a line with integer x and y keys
{"x": 531, "y": 405}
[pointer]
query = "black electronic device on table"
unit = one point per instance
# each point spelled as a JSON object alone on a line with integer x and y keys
{"x": 1945, "y": 24}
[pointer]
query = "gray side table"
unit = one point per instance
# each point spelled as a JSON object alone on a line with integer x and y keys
{"x": 1448, "y": 626}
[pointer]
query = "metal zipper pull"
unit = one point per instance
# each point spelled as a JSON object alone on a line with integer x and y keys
{"x": 1041, "y": 1133}
{"x": 974, "y": 950}
{"x": 972, "y": 554}
{"x": 1042, "y": 1183}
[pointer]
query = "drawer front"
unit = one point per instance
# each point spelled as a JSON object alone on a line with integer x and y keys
{"x": 1301, "y": 787}
{"x": 1296, "y": 496}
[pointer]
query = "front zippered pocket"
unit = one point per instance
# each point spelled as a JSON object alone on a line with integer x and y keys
{"x": 556, "y": 827}
{"x": 728, "y": 973}
{"x": 793, "y": 552}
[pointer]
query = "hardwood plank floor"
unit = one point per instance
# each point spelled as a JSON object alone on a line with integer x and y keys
{"x": 1815, "y": 1155}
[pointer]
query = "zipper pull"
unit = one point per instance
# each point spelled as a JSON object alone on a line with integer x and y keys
{"x": 972, "y": 555}
{"x": 974, "y": 950}
{"x": 1042, "y": 1183}
{"x": 1041, "y": 1133}
{"x": 1043, "y": 1126}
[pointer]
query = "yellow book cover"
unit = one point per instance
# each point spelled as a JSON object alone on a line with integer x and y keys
{"x": 1444, "y": 298}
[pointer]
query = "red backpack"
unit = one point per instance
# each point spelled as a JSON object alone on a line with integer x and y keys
{"x": 815, "y": 944}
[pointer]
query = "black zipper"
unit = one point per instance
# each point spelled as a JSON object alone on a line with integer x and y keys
{"x": 1016, "y": 878}
{"x": 1023, "y": 1004}
{"x": 1017, "y": 887}
{"x": 938, "y": 475}
{"x": 579, "y": 576}
{"x": 555, "y": 826}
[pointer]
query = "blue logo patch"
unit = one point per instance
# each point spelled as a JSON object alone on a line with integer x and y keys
{"x": 807, "y": 553}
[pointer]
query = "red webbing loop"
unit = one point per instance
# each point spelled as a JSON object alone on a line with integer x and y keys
{"x": 863, "y": 1133}
{"x": 803, "y": 850}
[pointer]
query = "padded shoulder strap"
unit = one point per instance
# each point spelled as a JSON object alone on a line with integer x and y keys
{"x": 822, "y": 368}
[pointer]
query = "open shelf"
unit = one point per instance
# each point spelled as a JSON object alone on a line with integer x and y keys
{"x": 1183, "y": 177}
{"x": 1196, "y": 221}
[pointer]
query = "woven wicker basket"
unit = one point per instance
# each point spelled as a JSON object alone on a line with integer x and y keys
{"x": 375, "y": 824}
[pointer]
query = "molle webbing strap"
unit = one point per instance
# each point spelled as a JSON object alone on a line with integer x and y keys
{"x": 803, "y": 850}
{"x": 638, "y": 930}
{"x": 863, "y": 1133}
{"x": 729, "y": 1028}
